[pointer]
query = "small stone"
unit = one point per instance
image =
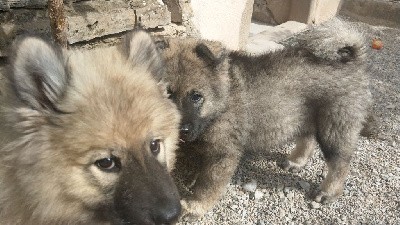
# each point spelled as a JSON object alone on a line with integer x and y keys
{"x": 281, "y": 194}
{"x": 282, "y": 213}
{"x": 258, "y": 195}
{"x": 250, "y": 186}
{"x": 243, "y": 213}
{"x": 290, "y": 195}
{"x": 315, "y": 205}
{"x": 390, "y": 106}
{"x": 260, "y": 222}
{"x": 287, "y": 189}
{"x": 385, "y": 177}
{"x": 305, "y": 185}
{"x": 280, "y": 187}
{"x": 234, "y": 206}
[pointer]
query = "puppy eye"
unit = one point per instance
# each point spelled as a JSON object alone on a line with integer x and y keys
{"x": 161, "y": 44}
{"x": 155, "y": 146}
{"x": 170, "y": 93}
{"x": 111, "y": 164}
{"x": 196, "y": 97}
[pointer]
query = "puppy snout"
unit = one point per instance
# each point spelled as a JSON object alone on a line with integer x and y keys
{"x": 185, "y": 129}
{"x": 167, "y": 212}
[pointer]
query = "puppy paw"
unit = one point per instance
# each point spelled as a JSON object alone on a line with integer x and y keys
{"x": 190, "y": 218}
{"x": 192, "y": 210}
{"x": 290, "y": 166}
{"x": 324, "y": 197}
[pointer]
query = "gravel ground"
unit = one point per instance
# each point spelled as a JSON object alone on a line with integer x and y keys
{"x": 372, "y": 190}
{"x": 261, "y": 193}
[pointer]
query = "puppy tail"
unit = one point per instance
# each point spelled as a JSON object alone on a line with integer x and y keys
{"x": 335, "y": 41}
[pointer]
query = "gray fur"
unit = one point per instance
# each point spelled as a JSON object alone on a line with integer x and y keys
{"x": 317, "y": 90}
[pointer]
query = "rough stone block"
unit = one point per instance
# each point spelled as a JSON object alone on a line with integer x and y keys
{"x": 280, "y": 9}
{"x": 313, "y": 11}
{"x": 304, "y": 11}
{"x": 19, "y": 21}
{"x": 154, "y": 15}
{"x": 6, "y": 5}
{"x": 262, "y": 13}
{"x": 176, "y": 10}
{"x": 92, "y": 19}
{"x": 386, "y": 13}
{"x": 86, "y": 20}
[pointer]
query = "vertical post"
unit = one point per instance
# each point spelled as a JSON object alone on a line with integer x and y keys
{"x": 58, "y": 23}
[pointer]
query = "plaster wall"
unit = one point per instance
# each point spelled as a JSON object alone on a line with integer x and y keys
{"x": 225, "y": 21}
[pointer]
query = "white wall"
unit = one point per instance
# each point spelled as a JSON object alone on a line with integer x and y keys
{"x": 227, "y": 21}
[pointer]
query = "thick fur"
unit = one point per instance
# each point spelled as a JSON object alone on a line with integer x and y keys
{"x": 80, "y": 134}
{"x": 313, "y": 92}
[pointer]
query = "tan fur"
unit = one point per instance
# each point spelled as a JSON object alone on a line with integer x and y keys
{"x": 110, "y": 107}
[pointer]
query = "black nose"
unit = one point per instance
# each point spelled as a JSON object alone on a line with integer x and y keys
{"x": 146, "y": 194}
{"x": 167, "y": 212}
{"x": 185, "y": 129}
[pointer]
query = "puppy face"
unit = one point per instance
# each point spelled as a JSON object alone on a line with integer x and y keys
{"x": 98, "y": 135}
{"x": 198, "y": 82}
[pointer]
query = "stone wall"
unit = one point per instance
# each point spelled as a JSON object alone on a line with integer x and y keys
{"x": 304, "y": 11}
{"x": 94, "y": 21}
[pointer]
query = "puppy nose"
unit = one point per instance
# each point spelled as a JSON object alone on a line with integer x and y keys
{"x": 185, "y": 129}
{"x": 167, "y": 212}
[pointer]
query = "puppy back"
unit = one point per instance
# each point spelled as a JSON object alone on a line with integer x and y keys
{"x": 335, "y": 40}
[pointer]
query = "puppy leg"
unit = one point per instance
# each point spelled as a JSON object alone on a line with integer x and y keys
{"x": 337, "y": 135}
{"x": 305, "y": 146}
{"x": 210, "y": 185}
{"x": 332, "y": 186}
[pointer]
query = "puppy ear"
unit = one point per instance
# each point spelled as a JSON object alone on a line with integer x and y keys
{"x": 205, "y": 53}
{"x": 212, "y": 54}
{"x": 38, "y": 73}
{"x": 215, "y": 55}
{"x": 142, "y": 51}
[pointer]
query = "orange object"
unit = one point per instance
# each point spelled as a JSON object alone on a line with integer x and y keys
{"x": 377, "y": 44}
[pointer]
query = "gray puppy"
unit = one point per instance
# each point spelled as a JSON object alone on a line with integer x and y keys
{"x": 314, "y": 92}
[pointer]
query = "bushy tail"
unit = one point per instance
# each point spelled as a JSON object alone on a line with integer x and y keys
{"x": 335, "y": 40}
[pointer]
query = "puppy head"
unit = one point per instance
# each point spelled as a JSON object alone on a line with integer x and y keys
{"x": 98, "y": 137}
{"x": 197, "y": 74}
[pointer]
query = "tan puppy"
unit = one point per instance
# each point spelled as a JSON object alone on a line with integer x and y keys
{"x": 87, "y": 137}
